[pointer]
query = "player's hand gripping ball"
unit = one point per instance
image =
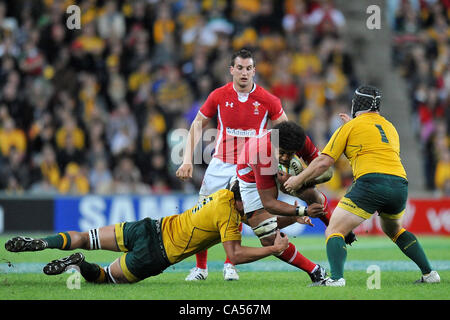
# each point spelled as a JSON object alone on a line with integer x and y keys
{"x": 295, "y": 167}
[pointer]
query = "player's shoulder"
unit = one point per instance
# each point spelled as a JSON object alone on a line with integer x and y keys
{"x": 222, "y": 89}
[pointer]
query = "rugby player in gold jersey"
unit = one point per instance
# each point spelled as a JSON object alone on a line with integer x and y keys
{"x": 371, "y": 144}
{"x": 151, "y": 246}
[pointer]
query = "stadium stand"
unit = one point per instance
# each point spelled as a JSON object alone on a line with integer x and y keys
{"x": 421, "y": 54}
{"x": 94, "y": 109}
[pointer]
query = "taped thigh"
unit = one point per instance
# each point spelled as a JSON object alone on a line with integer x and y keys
{"x": 266, "y": 228}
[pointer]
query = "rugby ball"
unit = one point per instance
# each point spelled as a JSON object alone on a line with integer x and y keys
{"x": 295, "y": 166}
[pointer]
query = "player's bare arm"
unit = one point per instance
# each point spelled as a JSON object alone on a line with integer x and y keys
{"x": 241, "y": 254}
{"x": 274, "y": 206}
{"x": 316, "y": 168}
{"x": 284, "y": 222}
{"x": 195, "y": 134}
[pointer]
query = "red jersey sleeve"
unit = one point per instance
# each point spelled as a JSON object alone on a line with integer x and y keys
{"x": 209, "y": 108}
{"x": 309, "y": 151}
{"x": 275, "y": 110}
{"x": 263, "y": 180}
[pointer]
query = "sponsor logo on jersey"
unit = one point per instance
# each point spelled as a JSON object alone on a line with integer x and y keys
{"x": 241, "y": 133}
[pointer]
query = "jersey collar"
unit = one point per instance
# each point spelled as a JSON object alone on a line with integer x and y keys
{"x": 243, "y": 97}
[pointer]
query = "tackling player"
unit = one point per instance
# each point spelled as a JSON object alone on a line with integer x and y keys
{"x": 151, "y": 246}
{"x": 243, "y": 110}
{"x": 372, "y": 145}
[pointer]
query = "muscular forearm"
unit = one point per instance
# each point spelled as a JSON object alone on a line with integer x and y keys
{"x": 315, "y": 169}
{"x": 324, "y": 177}
{"x": 280, "y": 208}
{"x": 194, "y": 136}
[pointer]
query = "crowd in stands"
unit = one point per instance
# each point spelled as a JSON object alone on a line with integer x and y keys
{"x": 421, "y": 53}
{"x": 94, "y": 109}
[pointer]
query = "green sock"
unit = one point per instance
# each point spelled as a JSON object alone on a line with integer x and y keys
{"x": 337, "y": 253}
{"x": 90, "y": 271}
{"x": 411, "y": 247}
{"x": 59, "y": 241}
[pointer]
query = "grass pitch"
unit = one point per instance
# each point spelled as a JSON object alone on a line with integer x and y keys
{"x": 21, "y": 277}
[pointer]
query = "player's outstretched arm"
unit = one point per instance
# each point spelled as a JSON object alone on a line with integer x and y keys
{"x": 269, "y": 199}
{"x": 316, "y": 168}
{"x": 241, "y": 254}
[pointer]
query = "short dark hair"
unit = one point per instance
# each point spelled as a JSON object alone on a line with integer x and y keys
{"x": 244, "y": 54}
{"x": 236, "y": 190}
{"x": 291, "y": 136}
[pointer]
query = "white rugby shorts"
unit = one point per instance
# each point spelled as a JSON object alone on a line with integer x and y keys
{"x": 218, "y": 175}
{"x": 250, "y": 196}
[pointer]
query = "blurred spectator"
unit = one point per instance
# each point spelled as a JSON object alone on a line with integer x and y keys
{"x": 174, "y": 94}
{"x": 69, "y": 153}
{"x": 111, "y": 24}
{"x": 74, "y": 182}
{"x": 15, "y": 173}
{"x": 12, "y": 137}
{"x": 71, "y": 133}
{"x": 100, "y": 177}
{"x": 122, "y": 130}
{"x": 327, "y": 19}
{"x": 128, "y": 179}
{"x": 49, "y": 168}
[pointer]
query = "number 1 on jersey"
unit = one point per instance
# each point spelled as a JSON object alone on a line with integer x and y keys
{"x": 383, "y": 135}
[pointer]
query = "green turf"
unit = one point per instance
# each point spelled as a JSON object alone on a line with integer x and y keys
{"x": 254, "y": 284}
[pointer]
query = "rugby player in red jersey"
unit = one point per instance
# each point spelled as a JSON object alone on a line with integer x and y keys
{"x": 243, "y": 110}
{"x": 257, "y": 173}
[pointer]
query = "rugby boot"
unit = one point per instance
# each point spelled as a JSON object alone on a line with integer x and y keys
{"x": 432, "y": 277}
{"x": 328, "y": 282}
{"x": 61, "y": 265}
{"x": 197, "y": 274}
{"x": 230, "y": 272}
{"x": 22, "y": 244}
{"x": 317, "y": 276}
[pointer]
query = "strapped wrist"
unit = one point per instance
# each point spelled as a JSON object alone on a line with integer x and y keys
{"x": 301, "y": 211}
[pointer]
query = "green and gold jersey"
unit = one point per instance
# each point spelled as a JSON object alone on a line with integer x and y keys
{"x": 371, "y": 143}
{"x": 213, "y": 220}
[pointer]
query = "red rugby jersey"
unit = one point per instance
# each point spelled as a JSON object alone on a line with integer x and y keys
{"x": 257, "y": 164}
{"x": 239, "y": 117}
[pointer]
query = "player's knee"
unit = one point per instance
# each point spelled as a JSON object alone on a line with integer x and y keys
{"x": 266, "y": 231}
{"x": 390, "y": 227}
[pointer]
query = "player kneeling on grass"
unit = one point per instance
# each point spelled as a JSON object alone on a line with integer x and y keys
{"x": 151, "y": 246}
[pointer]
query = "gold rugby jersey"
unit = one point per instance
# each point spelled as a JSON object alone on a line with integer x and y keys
{"x": 213, "y": 220}
{"x": 371, "y": 144}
